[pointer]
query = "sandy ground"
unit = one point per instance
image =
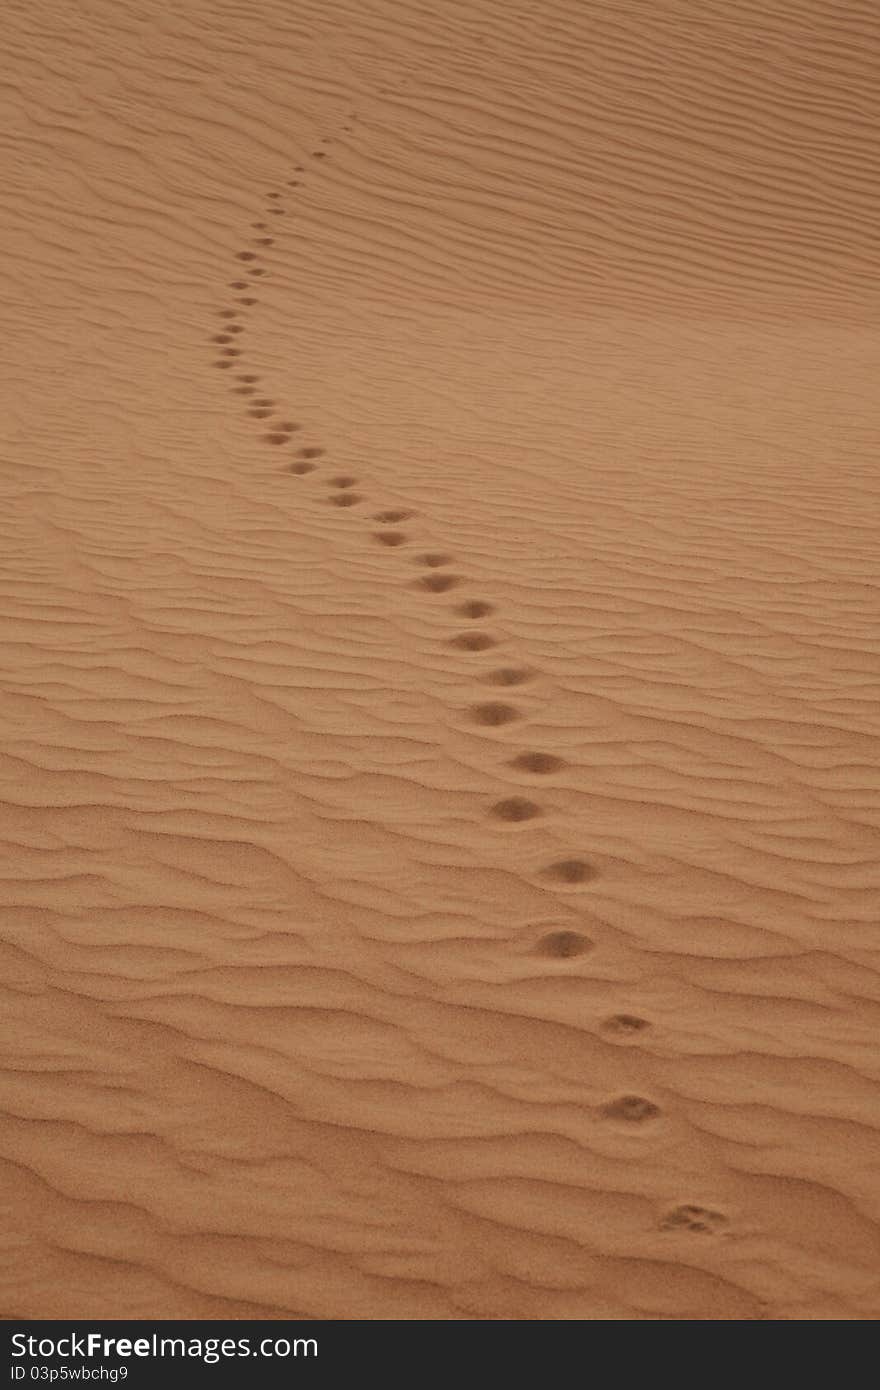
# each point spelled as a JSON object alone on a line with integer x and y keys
{"x": 440, "y": 617}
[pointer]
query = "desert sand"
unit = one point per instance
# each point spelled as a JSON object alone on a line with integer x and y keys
{"x": 440, "y": 636}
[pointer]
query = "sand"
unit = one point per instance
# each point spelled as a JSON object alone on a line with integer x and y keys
{"x": 440, "y": 634}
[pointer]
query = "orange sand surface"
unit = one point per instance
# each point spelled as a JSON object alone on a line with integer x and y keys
{"x": 440, "y": 659}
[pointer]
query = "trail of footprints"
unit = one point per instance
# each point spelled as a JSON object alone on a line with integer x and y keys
{"x": 438, "y": 580}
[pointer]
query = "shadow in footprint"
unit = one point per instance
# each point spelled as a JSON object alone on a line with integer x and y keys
{"x": 390, "y": 538}
{"x": 539, "y": 763}
{"x": 699, "y": 1220}
{"x": 493, "y": 713}
{"x": 563, "y": 945}
{"x": 570, "y": 871}
{"x": 625, "y": 1025}
{"x": 474, "y": 608}
{"x": 391, "y": 518}
{"x": 509, "y": 675}
{"x": 472, "y": 641}
{"x": 515, "y": 809}
{"x": 345, "y": 499}
{"x": 438, "y": 583}
{"x": 631, "y": 1110}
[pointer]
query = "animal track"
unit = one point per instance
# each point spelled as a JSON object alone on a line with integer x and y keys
{"x": 625, "y": 1025}
{"x": 509, "y": 675}
{"x": 539, "y": 763}
{"x": 631, "y": 1110}
{"x": 493, "y": 713}
{"x": 515, "y": 808}
{"x": 570, "y": 871}
{"x": 700, "y": 1220}
{"x": 561, "y": 944}
{"x": 438, "y": 583}
{"x": 472, "y": 641}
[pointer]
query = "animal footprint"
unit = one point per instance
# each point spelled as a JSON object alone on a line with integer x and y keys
{"x": 563, "y": 945}
{"x": 632, "y": 1110}
{"x": 700, "y": 1220}
{"x": 515, "y": 809}
{"x": 474, "y": 608}
{"x": 509, "y": 675}
{"x": 494, "y": 713}
{"x": 570, "y": 871}
{"x": 625, "y": 1025}
{"x": 539, "y": 763}
{"x": 472, "y": 641}
{"x": 438, "y": 583}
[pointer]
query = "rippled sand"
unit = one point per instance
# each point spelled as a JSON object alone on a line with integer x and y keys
{"x": 439, "y": 592}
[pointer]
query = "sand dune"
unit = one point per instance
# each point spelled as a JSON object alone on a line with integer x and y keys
{"x": 441, "y": 805}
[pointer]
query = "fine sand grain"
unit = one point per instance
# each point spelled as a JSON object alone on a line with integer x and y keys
{"x": 441, "y": 659}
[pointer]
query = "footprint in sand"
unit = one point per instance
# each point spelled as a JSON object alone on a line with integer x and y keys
{"x": 509, "y": 675}
{"x": 625, "y": 1025}
{"x": 570, "y": 871}
{"x": 493, "y": 713}
{"x": 515, "y": 809}
{"x": 474, "y": 608}
{"x": 540, "y": 764}
{"x": 438, "y": 583}
{"x": 698, "y": 1220}
{"x": 563, "y": 945}
{"x": 630, "y": 1110}
{"x": 472, "y": 641}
